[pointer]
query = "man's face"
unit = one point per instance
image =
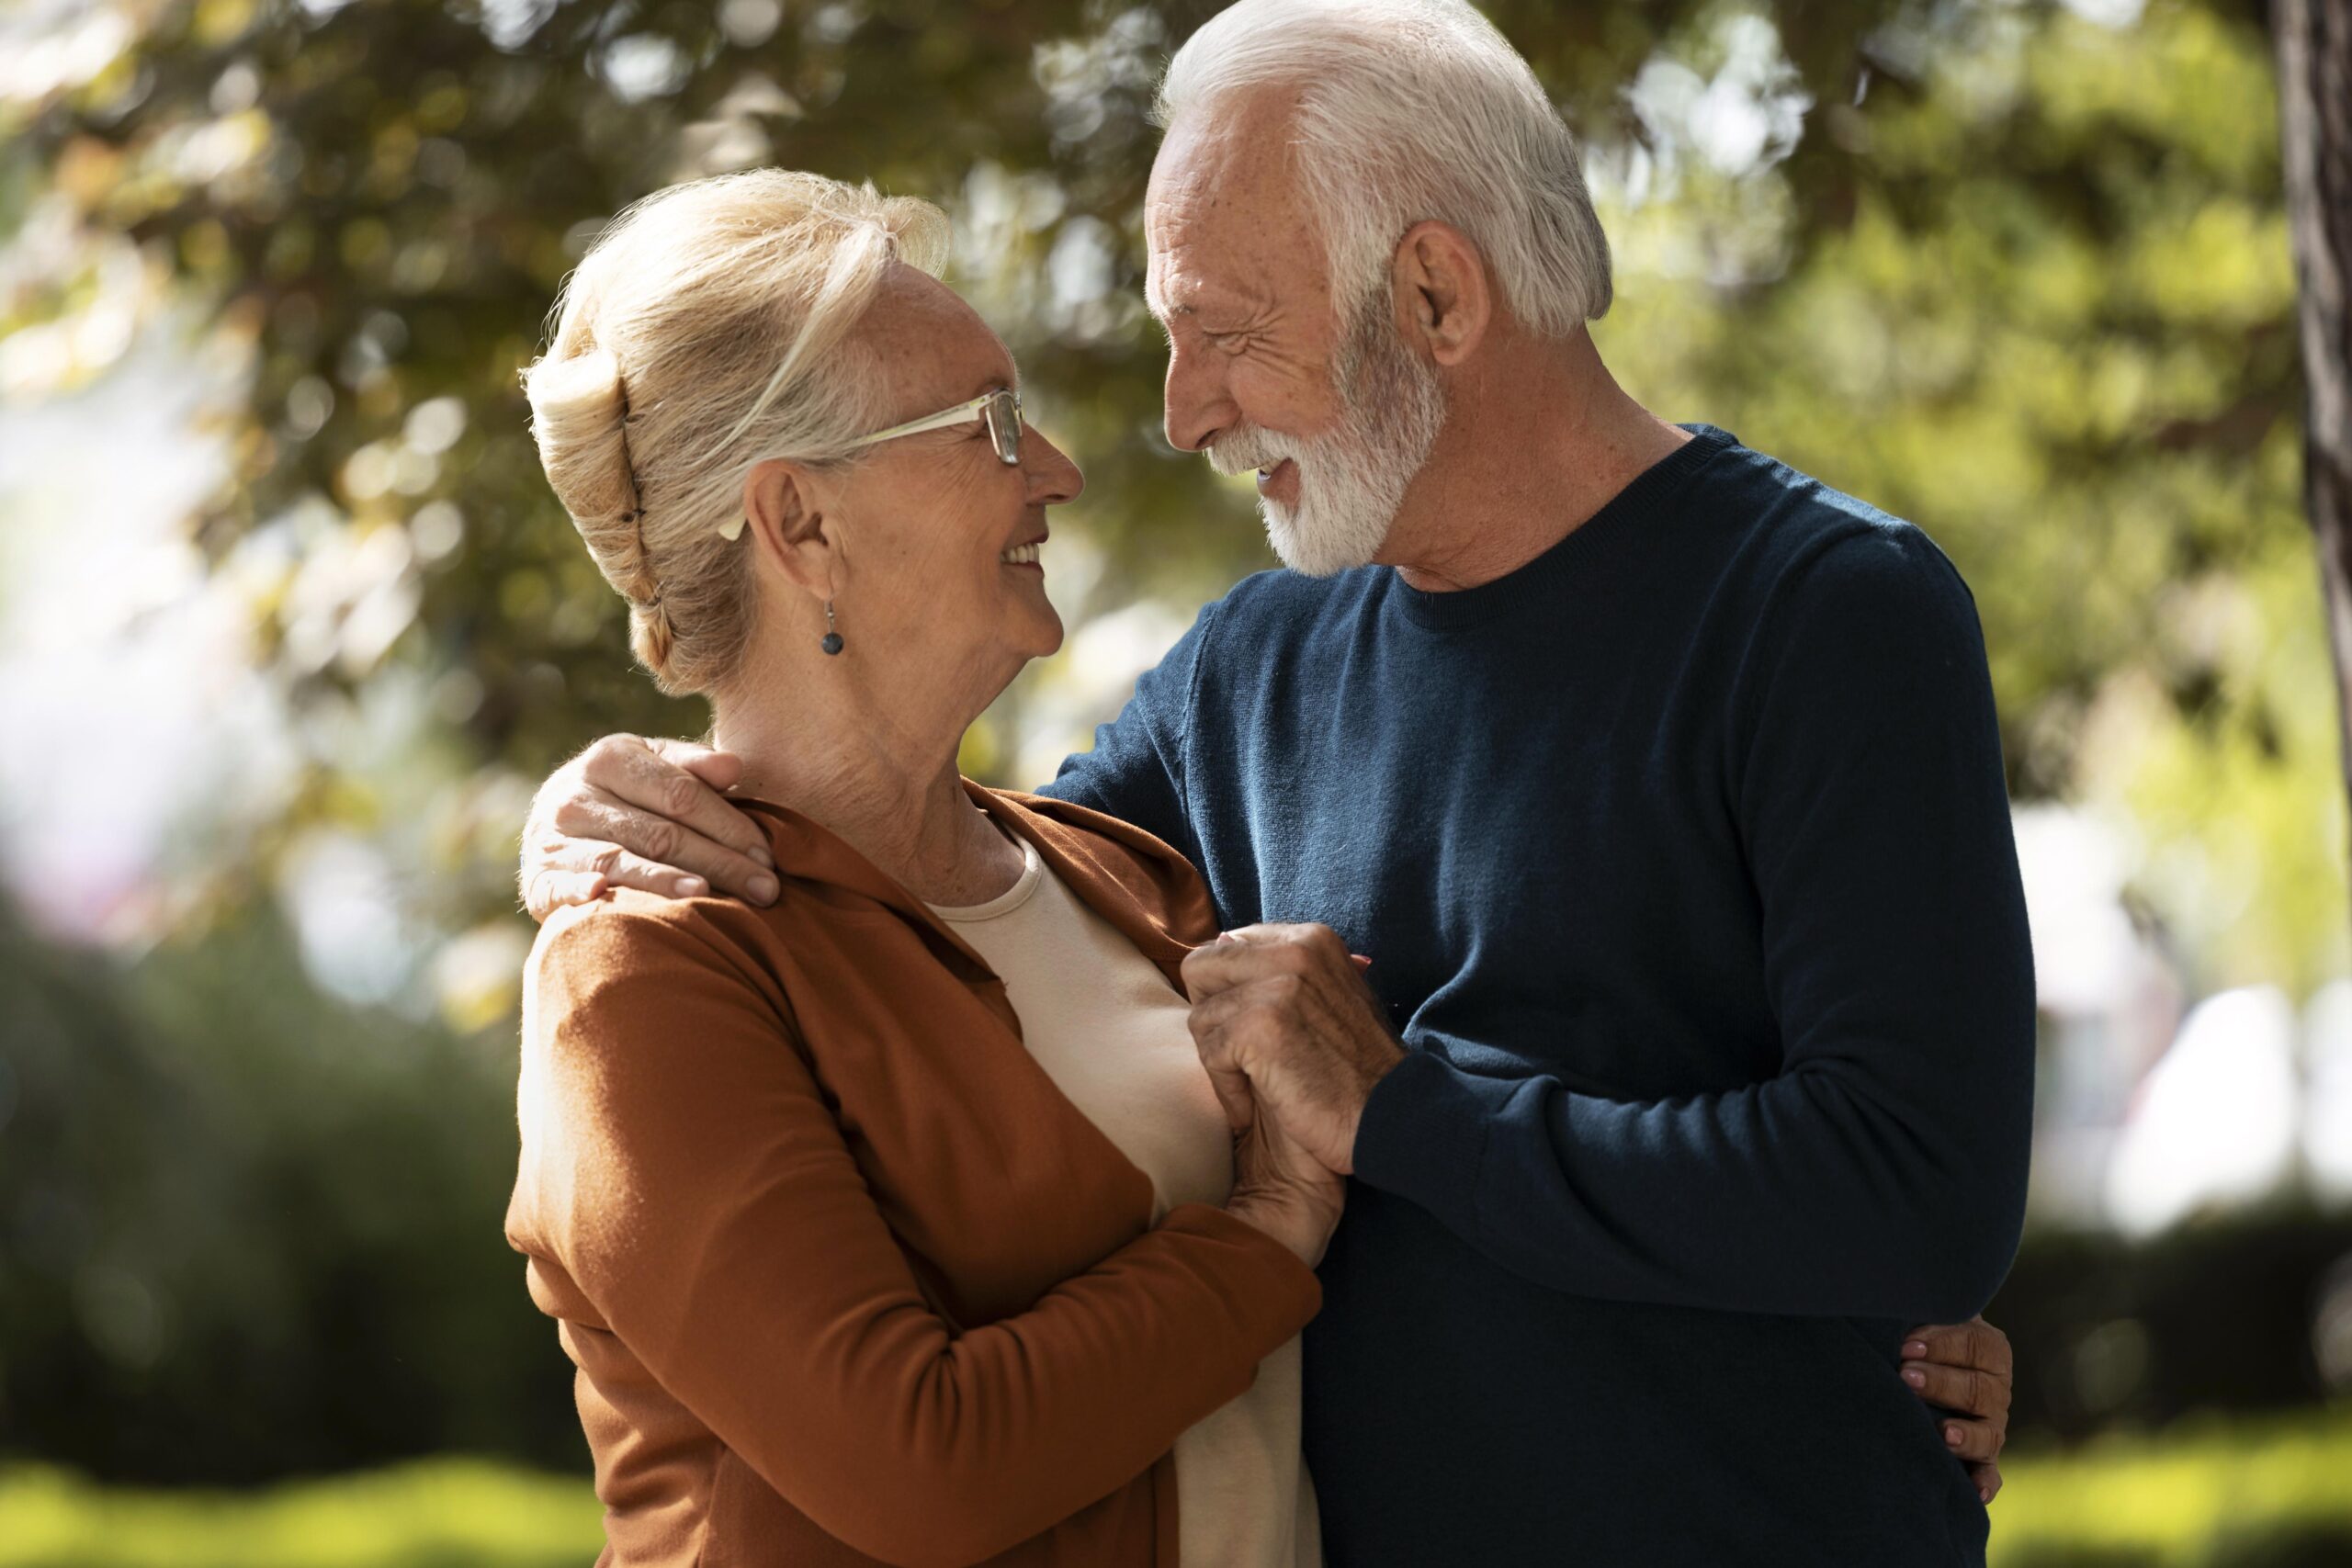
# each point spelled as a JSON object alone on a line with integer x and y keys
{"x": 1337, "y": 416}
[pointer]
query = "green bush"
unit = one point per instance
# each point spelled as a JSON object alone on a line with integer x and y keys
{"x": 2270, "y": 1493}
{"x": 433, "y": 1513}
{"x": 2276, "y": 1493}
{"x": 248, "y": 1232}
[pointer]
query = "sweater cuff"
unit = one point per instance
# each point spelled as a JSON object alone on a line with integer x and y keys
{"x": 1423, "y": 1135}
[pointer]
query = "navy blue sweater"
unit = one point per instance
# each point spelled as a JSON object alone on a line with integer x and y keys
{"x": 1684, "y": 861}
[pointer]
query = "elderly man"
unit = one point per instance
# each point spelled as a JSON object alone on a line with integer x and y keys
{"x": 1660, "y": 782}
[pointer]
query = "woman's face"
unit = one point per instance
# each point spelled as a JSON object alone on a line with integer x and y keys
{"x": 926, "y": 522}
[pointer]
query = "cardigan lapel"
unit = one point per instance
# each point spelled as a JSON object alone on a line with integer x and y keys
{"x": 808, "y": 849}
{"x": 1144, "y": 888}
{"x": 1148, "y": 891}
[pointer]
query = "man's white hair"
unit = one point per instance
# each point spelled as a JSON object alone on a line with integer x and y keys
{"x": 1414, "y": 109}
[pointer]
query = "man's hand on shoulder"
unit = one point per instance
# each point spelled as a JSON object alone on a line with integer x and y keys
{"x": 629, "y": 812}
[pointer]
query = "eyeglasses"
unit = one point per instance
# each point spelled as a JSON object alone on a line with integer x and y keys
{"x": 1000, "y": 409}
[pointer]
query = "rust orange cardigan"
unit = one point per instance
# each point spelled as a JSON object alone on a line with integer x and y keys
{"x": 846, "y": 1279}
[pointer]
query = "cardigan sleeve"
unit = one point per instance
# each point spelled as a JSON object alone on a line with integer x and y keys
{"x": 691, "y": 1178}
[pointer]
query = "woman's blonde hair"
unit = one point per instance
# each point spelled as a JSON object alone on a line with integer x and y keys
{"x": 706, "y": 330}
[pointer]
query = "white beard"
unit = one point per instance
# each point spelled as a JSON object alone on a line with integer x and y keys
{"x": 1352, "y": 477}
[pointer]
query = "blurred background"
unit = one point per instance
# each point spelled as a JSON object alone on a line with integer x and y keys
{"x": 291, "y": 628}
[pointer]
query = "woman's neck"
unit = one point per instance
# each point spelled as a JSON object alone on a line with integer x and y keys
{"x": 891, "y": 790}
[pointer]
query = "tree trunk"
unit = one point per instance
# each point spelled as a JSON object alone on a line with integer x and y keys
{"x": 2315, "y": 40}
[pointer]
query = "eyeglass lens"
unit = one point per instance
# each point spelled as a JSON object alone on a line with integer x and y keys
{"x": 1004, "y": 412}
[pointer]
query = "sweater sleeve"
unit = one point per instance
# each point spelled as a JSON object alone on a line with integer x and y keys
{"x": 1136, "y": 770}
{"x": 1880, "y": 1172}
{"x": 692, "y": 1180}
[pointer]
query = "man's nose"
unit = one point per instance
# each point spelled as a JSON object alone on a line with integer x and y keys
{"x": 1199, "y": 403}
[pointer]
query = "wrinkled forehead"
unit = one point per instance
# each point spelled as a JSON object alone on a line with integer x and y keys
{"x": 1225, "y": 211}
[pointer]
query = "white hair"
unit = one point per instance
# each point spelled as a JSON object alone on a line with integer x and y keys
{"x": 1414, "y": 109}
{"x": 708, "y": 328}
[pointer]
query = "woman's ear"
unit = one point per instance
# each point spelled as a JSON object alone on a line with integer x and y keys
{"x": 787, "y": 507}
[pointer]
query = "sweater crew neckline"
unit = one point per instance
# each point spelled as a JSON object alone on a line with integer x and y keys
{"x": 1645, "y": 499}
{"x": 1025, "y": 887}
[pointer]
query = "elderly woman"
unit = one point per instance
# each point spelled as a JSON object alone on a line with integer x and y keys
{"x": 897, "y": 1220}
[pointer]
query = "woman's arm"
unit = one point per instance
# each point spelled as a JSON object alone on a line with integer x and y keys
{"x": 691, "y": 1179}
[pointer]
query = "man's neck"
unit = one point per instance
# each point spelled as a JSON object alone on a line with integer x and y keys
{"x": 1536, "y": 442}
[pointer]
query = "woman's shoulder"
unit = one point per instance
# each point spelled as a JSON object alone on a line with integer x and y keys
{"x": 645, "y": 941}
{"x": 625, "y": 921}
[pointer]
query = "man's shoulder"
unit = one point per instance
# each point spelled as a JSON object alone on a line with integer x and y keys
{"x": 1280, "y": 592}
{"x": 1805, "y": 539}
{"x": 1279, "y": 605}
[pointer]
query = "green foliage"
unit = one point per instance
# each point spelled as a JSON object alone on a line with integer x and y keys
{"x": 2221, "y": 1314}
{"x": 2044, "y": 309}
{"x": 252, "y": 1232}
{"x": 2206, "y": 1495}
{"x": 433, "y": 1513}
{"x": 2256, "y": 1496}
{"x": 2021, "y": 278}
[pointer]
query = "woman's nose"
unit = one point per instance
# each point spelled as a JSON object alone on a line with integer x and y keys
{"x": 1053, "y": 478}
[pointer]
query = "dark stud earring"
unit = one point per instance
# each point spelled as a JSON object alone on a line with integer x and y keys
{"x": 832, "y": 641}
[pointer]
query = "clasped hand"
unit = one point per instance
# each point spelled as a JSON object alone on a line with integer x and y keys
{"x": 1293, "y": 1041}
{"x": 1283, "y": 1020}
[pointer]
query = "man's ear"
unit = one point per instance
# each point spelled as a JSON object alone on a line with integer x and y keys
{"x": 1443, "y": 292}
{"x": 787, "y": 508}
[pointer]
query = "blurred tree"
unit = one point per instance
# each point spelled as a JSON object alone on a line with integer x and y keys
{"x": 2045, "y": 316}
{"x": 247, "y": 1231}
{"x": 2315, "y": 104}
{"x": 2039, "y": 299}
{"x": 2043, "y": 312}
{"x": 2018, "y": 270}
{"x": 379, "y": 200}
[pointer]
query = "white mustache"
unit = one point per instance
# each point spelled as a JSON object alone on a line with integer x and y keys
{"x": 1244, "y": 450}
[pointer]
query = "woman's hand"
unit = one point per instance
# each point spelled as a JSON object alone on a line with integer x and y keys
{"x": 1967, "y": 1368}
{"x": 629, "y": 812}
{"x": 1282, "y": 1190}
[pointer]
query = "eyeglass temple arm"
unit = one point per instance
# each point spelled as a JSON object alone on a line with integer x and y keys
{"x": 957, "y": 415}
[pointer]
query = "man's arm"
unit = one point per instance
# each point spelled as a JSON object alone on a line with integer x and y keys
{"x": 649, "y": 814}
{"x": 1136, "y": 770}
{"x": 1882, "y": 1171}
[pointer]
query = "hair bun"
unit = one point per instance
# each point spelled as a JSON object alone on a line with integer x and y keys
{"x": 578, "y": 410}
